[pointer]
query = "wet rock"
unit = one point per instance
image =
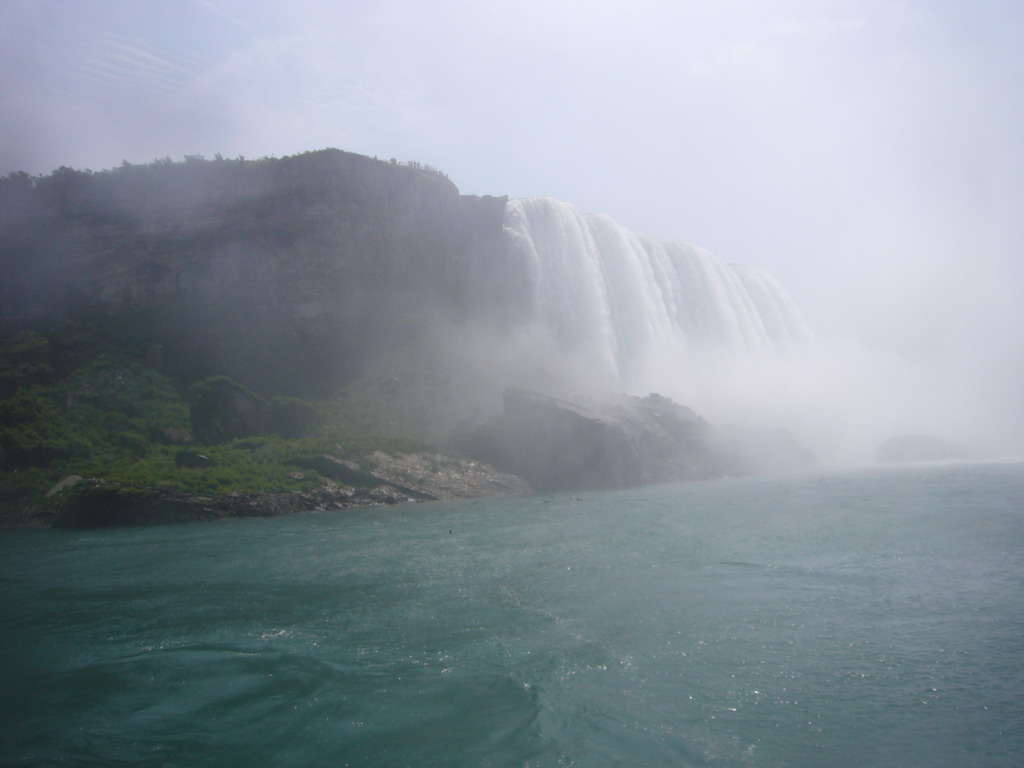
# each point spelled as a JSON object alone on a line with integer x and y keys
{"x": 557, "y": 445}
{"x": 560, "y": 445}
{"x": 398, "y": 479}
{"x": 340, "y": 470}
{"x": 68, "y": 482}
{"x": 438, "y": 476}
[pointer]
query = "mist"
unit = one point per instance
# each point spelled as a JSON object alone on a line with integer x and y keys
{"x": 864, "y": 154}
{"x": 612, "y": 312}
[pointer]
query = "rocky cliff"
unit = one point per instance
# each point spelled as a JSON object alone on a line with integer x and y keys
{"x": 286, "y": 274}
{"x": 259, "y": 309}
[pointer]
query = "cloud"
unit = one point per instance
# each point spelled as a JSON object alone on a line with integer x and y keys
{"x": 236, "y": 20}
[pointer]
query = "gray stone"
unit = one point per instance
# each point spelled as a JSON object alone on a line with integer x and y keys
{"x": 339, "y": 470}
{"x": 67, "y": 482}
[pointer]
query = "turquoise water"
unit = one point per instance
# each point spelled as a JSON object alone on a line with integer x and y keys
{"x": 869, "y": 618}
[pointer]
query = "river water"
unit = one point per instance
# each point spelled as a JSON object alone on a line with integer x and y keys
{"x": 864, "y": 618}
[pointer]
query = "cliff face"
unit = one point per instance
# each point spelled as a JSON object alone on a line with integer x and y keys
{"x": 286, "y": 274}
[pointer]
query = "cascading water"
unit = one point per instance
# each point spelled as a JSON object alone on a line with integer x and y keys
{"x": 617, "y": 297}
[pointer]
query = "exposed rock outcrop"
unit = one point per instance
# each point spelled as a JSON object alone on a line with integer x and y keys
{"x": 285, "y": 274}
{"x": 444, "y": 477}
{"x": 422, "y": 476}
{"x": 559, "y": 445}
{"x": 68, "y": 482}
{"x": 394, "y": 479}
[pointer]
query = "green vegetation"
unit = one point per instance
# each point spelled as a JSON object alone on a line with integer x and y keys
{"x": 222, "y": 409}
{"x": 103, "y": 413}
{"x": 246, "y": 465}
{"x": 24, "y": 360}
{"x": 291, "y": 417}
{"x": 116, "y": 194}
{"x": 118, "y": 420}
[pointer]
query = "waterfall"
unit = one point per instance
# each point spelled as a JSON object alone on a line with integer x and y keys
{"x": 618, "y": 297}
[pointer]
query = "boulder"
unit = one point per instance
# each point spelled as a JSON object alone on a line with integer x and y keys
{"x": 559, "y": 445}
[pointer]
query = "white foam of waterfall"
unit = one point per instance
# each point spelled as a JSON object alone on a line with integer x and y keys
{"x": 619, "y": 298}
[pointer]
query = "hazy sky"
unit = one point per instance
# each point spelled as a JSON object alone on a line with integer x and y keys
{"x": 868, "y": 153}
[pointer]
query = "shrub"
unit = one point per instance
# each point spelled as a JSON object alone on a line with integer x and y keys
{"x": 24, "y": 360}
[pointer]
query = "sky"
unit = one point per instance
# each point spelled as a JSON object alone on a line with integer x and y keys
{"x": 867, "y": 153}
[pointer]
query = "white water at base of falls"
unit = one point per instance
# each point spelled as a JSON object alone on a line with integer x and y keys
{"x": 621, "y": 300}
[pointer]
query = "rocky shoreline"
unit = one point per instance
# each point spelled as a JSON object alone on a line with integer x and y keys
{"x": 394, "y": 479}
{"x": 540, "y": 443}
